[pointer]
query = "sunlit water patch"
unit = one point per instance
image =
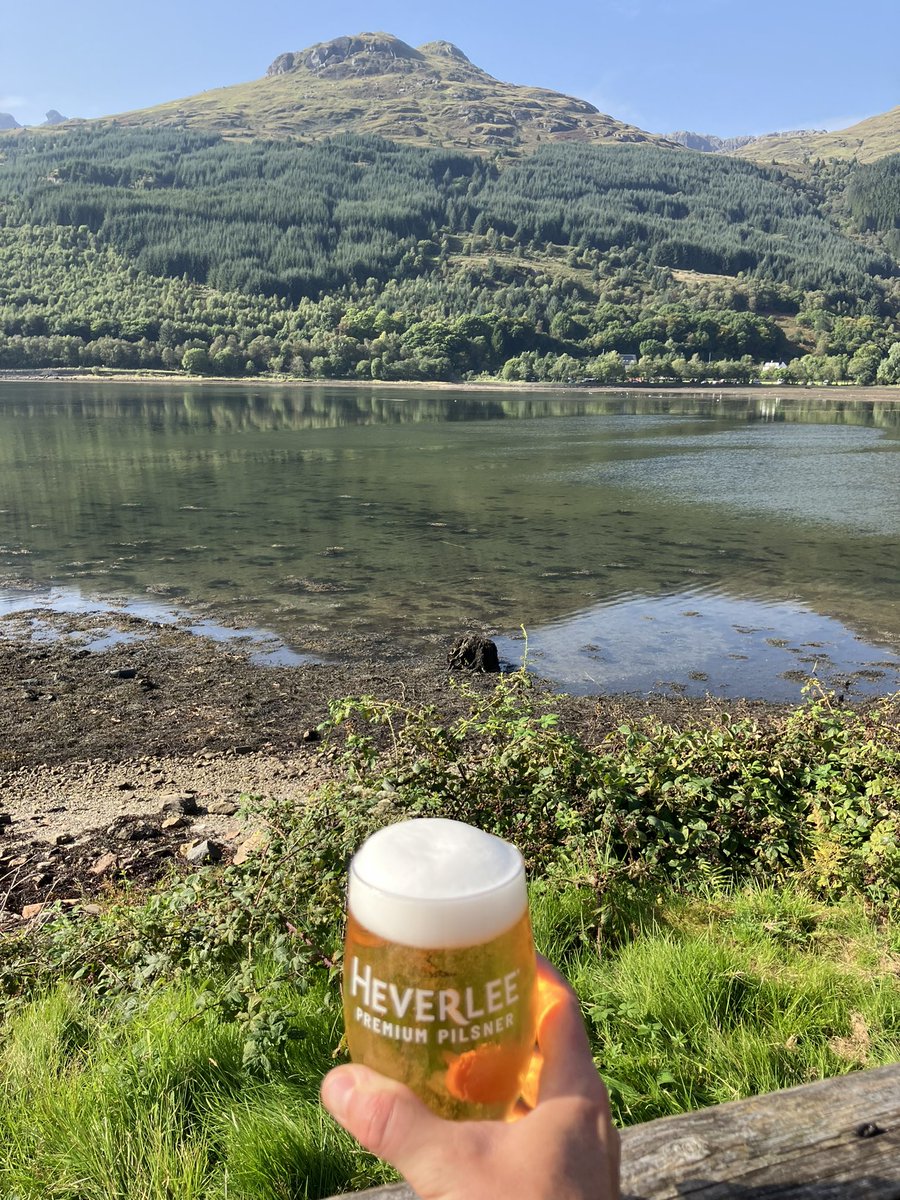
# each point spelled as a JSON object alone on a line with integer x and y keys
{"x": 263, "y": 646}
{"x": 696, "y": 644}
{"x": 780, "y": 470}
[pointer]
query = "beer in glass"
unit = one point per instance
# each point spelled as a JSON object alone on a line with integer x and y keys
{"x": 439, "y": 966}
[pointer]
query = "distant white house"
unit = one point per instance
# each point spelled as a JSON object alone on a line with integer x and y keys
{"x": 628, "y": 359}
{"x": 774, "y": 366}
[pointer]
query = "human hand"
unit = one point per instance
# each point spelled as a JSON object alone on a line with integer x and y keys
{"x": 565, "y": 1148}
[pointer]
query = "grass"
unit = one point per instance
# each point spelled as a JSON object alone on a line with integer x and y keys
{"x": 712, "y": 1000}
{"x": 154, "y": 1101}
{"x": 721, "y": 897}
{"x": 694, "y": 1002}
{"x": 871, "y": 139}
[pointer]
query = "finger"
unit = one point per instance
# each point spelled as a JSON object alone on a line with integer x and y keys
{"x": 532, "y": 1082}
{"x": 386, "y": 1117}
{"x": 614, "y": 1152}
{"x": 568, "y": 1067}
{"x": 551, "y": 989}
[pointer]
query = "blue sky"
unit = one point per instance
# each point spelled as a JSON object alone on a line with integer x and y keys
{"x": 713, "y": 66}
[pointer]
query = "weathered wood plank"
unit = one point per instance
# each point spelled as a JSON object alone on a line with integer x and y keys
{"x": 834, "y": 1140}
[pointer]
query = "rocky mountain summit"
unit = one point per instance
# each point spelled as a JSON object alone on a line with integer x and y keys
{"x": 378, "y": 84}
{"x": 366, "y": 54}
{"x": 53, "y": 117}
{"x": 868, "y": 141}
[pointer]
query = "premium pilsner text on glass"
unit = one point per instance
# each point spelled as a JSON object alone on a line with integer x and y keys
{"x": 439, "y": 967}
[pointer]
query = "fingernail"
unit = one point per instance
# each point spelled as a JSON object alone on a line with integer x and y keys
{"x": 336, "y": 1090}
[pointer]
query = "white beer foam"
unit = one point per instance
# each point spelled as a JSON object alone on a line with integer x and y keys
{"x": 436, "y": 884}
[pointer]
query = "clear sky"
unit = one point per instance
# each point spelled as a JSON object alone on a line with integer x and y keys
{"x": 712, "y": 66}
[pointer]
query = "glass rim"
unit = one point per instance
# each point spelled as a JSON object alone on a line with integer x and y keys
{"x": 499, "y": 884}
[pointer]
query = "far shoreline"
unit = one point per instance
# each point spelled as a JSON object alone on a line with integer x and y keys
{"x": 848, "y": 392}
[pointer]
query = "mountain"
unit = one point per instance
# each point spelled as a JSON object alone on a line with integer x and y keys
{"x": 708, "y": 143}
{"x": 8, "y": 121}
{"x": 868, "y": 141}
{"x": 54, "y": 117}
{"x": 374, "y": 83}
{"x": 491, "y": 230}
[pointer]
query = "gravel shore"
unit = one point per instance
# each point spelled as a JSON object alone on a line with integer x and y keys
{"x": 116, "y": 764}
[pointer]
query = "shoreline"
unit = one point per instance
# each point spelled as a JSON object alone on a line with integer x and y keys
{"x": 848, "y": 392}
{"x": 116, "y": 763}
{"x": 138, "y": 753}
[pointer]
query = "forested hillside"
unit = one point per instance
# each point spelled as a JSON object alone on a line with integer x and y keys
{"x": 268, "y": 217}
{"x": 873, "y": 200}
{"x": 361, "y": 257}
{"x": 680, "y": 210}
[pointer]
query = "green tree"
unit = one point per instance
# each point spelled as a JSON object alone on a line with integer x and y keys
{"x": 889, "y": 367}
{"x": 863, "y": 366}
{"x": 196, "y": 361}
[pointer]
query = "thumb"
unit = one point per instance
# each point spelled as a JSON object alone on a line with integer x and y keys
{"x": 388, "y": 1119}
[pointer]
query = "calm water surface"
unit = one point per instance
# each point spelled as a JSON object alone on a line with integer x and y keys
{"x": 684, "y": 543}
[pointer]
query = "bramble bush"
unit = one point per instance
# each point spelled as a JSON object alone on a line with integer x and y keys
{"x": 812, "y": 797}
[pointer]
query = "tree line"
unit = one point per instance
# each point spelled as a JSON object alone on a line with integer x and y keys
{"x": 360, "y": 258}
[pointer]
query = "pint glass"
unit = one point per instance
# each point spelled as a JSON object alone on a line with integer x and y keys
{"x": 439, "y": 966}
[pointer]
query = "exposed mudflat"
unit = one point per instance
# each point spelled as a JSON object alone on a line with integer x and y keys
{"x": 114, "y": 763}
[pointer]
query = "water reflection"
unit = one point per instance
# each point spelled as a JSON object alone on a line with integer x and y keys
{"x": 266, "y": 649}
{"x": 178, "y": 406}
{"x": 692, "y": 644}
{"x": 310, "y": 511}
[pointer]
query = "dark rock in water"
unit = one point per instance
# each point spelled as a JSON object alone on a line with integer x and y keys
{"x": 474, "y": 653}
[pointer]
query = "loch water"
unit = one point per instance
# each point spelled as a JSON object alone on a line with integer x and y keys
{"x": 688, "y": 543}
